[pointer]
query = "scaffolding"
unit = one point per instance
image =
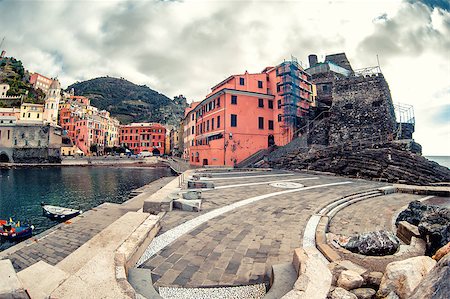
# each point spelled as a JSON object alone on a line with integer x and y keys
{"x": 293, "y": 89}
{"x": 404, "y": 114}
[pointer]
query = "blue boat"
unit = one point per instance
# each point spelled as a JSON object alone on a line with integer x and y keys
{"x": 15, "y": 230}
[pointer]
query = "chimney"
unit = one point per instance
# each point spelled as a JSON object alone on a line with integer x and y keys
{"x": 312, "y": 60}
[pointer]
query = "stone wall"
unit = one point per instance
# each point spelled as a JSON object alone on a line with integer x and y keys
{"x": 36, "y": 144}
{"x": 362, "y": 109}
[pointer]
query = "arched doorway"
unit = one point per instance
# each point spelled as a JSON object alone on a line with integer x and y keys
{"x": 270, "y": 141}
{"x": 4, "y": 158}
{"x": 156, "y": 152}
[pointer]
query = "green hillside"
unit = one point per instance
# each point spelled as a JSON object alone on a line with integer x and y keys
{"x": 129, "y": 102}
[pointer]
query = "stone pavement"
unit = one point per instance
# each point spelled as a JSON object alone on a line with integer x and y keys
{"x": 238, "y": 247}
{"x": 371, "y": 214}
{"x": 54, "y": 245}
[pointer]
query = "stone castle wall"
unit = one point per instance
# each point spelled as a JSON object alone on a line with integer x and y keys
{"x": 362, "y": 110}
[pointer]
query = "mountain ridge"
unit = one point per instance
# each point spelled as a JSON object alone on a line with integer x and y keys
{"x": 129, "y": 102}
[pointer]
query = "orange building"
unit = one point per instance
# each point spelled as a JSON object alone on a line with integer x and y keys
{"x": 141, "y": 137}
{"x": 246, "y": 113}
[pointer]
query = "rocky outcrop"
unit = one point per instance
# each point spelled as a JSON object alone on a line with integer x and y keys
{"x": 435, "y": 284}
{"x": 387, "y": 161}
{"x": 403, "y": 277}
{"x": 433, "y": 223}
{"x": 374, "y": 243}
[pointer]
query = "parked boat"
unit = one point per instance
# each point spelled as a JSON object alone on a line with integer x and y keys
{"x": 15, "y": 230}
{"x": 59, "y": 213}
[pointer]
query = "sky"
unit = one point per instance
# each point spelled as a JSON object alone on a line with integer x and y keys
{"x": 186, "y": 47}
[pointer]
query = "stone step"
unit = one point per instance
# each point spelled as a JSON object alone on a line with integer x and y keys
{"x": 10, "y": 285}
{"x": 283, "y": 279}
{"x": 141, "y": 280}
{"x": 41, "y": 279}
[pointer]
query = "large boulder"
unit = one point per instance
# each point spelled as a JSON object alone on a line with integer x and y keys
{"x": 433, "y": 223}
{"x": 435, "y": 228}
{"x": 436, "y": 284}
{"x": 402, "y": 277}
{"x": 350, "y": 280}
{"x": 374, "y": 243}
{"x": 441, "y": 252}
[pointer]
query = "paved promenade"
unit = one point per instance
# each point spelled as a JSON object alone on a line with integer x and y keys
{"x": 57, "y": 243}
{"x": 250, "y": 226}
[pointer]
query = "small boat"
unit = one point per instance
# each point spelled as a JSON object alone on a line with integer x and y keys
{"x": 59, "y": 213}
{"x": 14, "y": 230}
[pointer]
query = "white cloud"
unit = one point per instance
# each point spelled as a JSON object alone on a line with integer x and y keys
{"x": 185, "y": 47}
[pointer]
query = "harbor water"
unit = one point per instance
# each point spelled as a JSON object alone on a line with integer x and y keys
{"x": 23, "y": 189}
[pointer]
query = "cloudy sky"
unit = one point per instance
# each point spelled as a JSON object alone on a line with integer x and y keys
{"x": 185, "y": 47}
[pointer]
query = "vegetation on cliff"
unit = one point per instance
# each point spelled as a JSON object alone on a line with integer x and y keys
{"x": 13, "y": 73}
{"x": 129, "y": 102}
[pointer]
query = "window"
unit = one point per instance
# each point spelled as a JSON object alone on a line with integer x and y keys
{"x": 233, "y": 120}
{"x": 260, "y": 85}
{"x": 23, "y": 115}
{"x": 234, "y": 100}
{"x": 279, "y": 104}
{"x": 218, "y": 121}
{"x": 261, "y": 103}
{"x": 324, "y": 87}
{"x": 270, "y": 104}
{"x": 212, "y": 124}
{"x": 192, "y": 130}
{"x": 207, "y": 125}
{"x": 270, "y": 124}
{"x": 218, "y": 102}
{"x": 241, "y": 81}
{"x": 279, "y": 117}
{"x": 260, "y": 122}
{"x": 192, "y": 116}
{"x": 38, "y": 115}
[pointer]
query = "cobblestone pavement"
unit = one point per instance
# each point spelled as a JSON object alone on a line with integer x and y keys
{"x": 52, "y": 247}
{"x": 238, "y": 247}
{"x": 371, "y": 214}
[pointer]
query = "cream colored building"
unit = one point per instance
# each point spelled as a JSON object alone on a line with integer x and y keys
{"x": 31, "y": 114}
{"x": 52, "y": 101}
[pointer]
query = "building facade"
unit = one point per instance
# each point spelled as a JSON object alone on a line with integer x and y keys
{"x": 246, "y": 113}
{"x": 40, "y": 81}
{"x": 88, "y": 128}
{"x": 144, "y": 137}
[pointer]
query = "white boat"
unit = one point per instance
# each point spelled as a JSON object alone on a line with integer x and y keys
{"x": 59, "y": 213}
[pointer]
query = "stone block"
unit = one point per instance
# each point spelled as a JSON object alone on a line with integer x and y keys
{"x": 49, "y": 278}
{"x": 10, "y": 285}
{"x": 191, "y": 194}
{"x": 328, "y": 252}
{"x": 187, "y": 205}
{"x": 141, "y": 281}
{"x": 405, "y": 231}
{"x": 200, "y": 184}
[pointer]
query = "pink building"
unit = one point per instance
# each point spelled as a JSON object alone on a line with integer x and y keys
{"x": 246, "y": 113}
{"x": 140, "y": 137}
{"x": 40, "y": 81}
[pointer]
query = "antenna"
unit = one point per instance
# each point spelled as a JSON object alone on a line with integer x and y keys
{"x": 378, "y": 61}
{"x": 1, "y": 44}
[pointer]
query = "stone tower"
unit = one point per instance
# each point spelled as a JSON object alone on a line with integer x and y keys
{"x": 52, "y": 100}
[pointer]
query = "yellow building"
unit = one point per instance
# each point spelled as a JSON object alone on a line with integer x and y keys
{"x": 31, "y": 113}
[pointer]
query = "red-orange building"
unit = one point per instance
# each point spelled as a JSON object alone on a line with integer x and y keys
{"x": 140, "y": 137}
{"x": 40, "y": 81}
{"x": 246, "y": 113}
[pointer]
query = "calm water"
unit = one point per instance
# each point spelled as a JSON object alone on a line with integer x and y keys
{"x": 22, "y": 190}
{"x": 443, "y": 160}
